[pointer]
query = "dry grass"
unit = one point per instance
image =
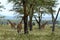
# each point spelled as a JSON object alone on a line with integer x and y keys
{"x": 6, "y": 33}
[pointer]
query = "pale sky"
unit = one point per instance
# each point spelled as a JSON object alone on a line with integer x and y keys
{"x": 6, "y": 11}
{"x": 8, "y": 6}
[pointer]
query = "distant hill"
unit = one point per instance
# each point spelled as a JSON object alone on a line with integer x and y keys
{"x": 43, "y": 18}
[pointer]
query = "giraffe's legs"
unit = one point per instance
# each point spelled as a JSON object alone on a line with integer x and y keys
{"x": 18, "y": 31}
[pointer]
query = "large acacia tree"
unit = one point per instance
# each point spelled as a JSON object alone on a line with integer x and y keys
{"x": 22, "y": 3}
{"x": 45, "y": 4}
{"x": 25, "y": 7}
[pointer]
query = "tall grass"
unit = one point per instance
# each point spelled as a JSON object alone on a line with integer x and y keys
{"x": 6, "y": 33}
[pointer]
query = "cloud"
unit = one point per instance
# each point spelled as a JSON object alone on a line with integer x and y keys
{"x": 6, "y": 12}
{"x": 3, "y": 2}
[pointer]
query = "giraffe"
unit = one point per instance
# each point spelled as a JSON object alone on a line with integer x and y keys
{"x": 19, "y": 26}
{"x": 43, "y": 25}
{"x": 12, "y": 24}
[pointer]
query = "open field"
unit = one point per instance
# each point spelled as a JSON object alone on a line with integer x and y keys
{"x": 6, "y": 33}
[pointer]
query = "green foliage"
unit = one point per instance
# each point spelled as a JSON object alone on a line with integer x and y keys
{"x": 18, "y": 7}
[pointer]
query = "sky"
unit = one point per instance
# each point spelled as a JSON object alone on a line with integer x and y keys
{"x": 8, "y": 6}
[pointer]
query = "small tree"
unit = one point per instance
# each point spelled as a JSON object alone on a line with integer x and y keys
{"x": 51, "y": 11}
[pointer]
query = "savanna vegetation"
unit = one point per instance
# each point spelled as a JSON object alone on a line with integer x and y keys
{"x": 27, "y": 30}
{"x": 6, "y": 33}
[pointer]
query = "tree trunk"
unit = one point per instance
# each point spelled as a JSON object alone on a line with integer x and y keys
{"x": 36, "y": 20}
{"x": 39, "y": 23}
{"x": 54, "y": 21}
{"x": 30, "y": 23}
{"x": 25, "y": 17}
{"x": 25, "y": 25}
{"x": 31, "y": 15}
{"x": 40, "y": 17}
{"x": 53, "y": 27}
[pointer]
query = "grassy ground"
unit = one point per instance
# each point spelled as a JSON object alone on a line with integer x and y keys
{"x": 6, "y": 33}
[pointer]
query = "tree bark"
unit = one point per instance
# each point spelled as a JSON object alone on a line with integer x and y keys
{"x": 30, "y": 23}
{"x": 40, "y": 17}
{"x": 53, "y": 27}
{"x": 39, "y": 23}
{"x": 54, "y": 20}
{"x": 25, "y": 17}
{"x": 25, "y": 25}
{"x": 31, "y": 15}
{"x": 36, "y": 20}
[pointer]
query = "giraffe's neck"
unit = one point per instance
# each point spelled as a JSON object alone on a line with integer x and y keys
{"x": 10, "y": 22}
{"x": 44, "y": 24}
